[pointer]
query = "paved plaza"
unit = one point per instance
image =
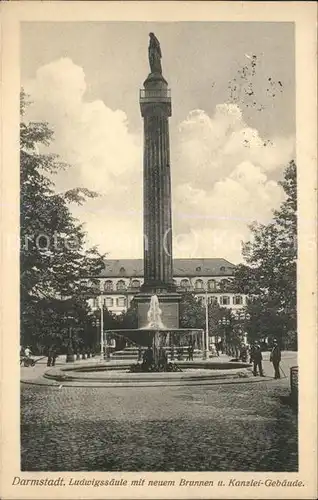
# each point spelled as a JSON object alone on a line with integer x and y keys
{"x": 233, "y": 427}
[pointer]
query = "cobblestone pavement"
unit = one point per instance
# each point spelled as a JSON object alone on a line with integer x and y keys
{"x": 245, "y": 427}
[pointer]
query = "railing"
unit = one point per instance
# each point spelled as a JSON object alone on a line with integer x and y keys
{"x": 162, "y": 95}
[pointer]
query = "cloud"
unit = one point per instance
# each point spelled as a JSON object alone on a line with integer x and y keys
{"x": 223, "y": 180}
{"x": 223, "y": 171}
{"x": 103, "y": 154}
{"x": 92, "y": 137}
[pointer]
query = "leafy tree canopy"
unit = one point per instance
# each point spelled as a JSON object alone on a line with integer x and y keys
{"x": 53, "y": 257}
{"x": 269, "y": 275}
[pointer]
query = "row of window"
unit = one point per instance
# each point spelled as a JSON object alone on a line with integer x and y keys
{"x": 110, "y": 302}
{"x": 225, "y": 300}
{"x": 199, "y": 284}
{"x": 120, "y": 285}
{"x": 184, "y": 283}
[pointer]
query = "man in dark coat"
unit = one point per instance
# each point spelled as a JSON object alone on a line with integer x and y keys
{"x": 256, "y": 358}
{"x": 275, "y": 358}
{"x": 148, "y": 358}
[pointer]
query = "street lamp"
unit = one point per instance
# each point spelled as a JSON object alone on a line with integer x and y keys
{"x": 101, "y": 327}
{"x": 99, "y": 302}
{"x": 242, "y": 317}
{"x": 70, "y": 353}
{"x": 225, "y": 323}
{"x": 206, "y": 351}
{"x": 96, "y": 324}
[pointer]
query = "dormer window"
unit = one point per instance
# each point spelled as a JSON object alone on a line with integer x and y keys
{"x": 198, "y": 268}
{"x": 222, "y": 269}
{"x": 122, "y": 270}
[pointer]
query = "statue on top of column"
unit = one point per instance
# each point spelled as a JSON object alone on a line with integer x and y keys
{"x": 154, "y": 53}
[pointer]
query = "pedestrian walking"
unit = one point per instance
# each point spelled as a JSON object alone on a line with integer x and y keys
{"x": 22, "y": 354}
{"x": 49, "y": 357}
{"x": 54, "y": 355}
{"x": 275, "y": 358}
{"x": 256, "y": 359}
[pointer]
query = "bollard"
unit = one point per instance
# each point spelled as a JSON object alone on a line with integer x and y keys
{"x": 294, "y": 384}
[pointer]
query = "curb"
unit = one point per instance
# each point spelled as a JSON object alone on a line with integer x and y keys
{"x": 207, "y": 382}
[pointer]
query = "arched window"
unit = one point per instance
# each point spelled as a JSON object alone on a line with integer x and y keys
{"x": 120, "y": 285}
{"x": 184, "y": 283}
{"x": 222, "y": 269}
{"x": 199, "y": 284}
{"x": 135, "y": 283}
{"x": 211, "y": 284}
{"x": 224, "y": 285}
{"x": 108, "y": 287}
{"x": 122, "y": 270}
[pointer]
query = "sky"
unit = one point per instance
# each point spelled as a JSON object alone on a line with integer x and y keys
{"x": 232, "y": 130}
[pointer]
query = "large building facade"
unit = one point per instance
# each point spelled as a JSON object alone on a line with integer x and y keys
{"x": 122, "y": 279}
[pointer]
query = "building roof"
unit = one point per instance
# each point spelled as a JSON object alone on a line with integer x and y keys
{"x": 181, "y": 268}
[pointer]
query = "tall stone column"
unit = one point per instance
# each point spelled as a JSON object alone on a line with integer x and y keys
{"x": 155, "y": 104}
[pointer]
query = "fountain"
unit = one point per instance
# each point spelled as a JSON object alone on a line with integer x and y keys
{"x": 154, "y": 314}
{"x": 156, "y": 335}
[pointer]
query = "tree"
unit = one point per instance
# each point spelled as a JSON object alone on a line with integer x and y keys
{"x": 129, "y": 318}
{"x": 53, "y": 258}
{"x": 269, "y": 276}
{"x": 191, "y": 312}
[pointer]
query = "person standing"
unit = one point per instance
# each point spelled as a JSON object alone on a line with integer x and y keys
{"x": 148, "y": 358}
{"x": 243, "y": 354}
{"x": 275, "y": 358}
{"x": 54, "y": 355}
{"x": 256, "y": 358}
{"x": 190, "y": 353}
{"x": 49, "y": 357}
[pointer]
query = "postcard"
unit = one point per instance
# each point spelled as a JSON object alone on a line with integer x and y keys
{"x": 159, "y": 296}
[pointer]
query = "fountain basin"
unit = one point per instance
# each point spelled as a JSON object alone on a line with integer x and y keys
{"x": 113, "y": 374}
